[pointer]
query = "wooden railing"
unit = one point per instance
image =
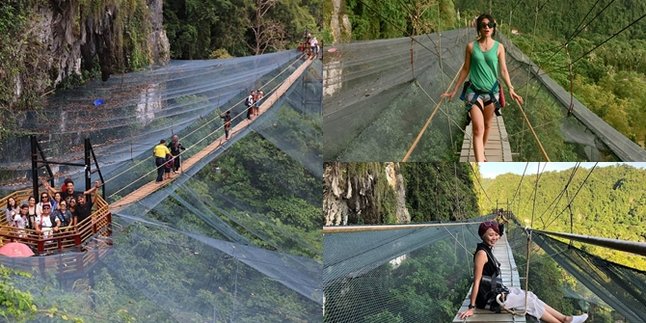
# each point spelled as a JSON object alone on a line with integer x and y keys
{"x": 67, "y": 238}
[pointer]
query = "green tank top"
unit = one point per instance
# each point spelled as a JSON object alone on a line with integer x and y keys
{"x": 483, "y": 72}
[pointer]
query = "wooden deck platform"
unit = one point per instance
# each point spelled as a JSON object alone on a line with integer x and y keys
{"x": 510, "y": 278}
{"x": 152, "y": 186}
{"x": 497, "y": 148}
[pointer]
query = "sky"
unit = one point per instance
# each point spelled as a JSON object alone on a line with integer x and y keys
{"x": 491, "y": 170}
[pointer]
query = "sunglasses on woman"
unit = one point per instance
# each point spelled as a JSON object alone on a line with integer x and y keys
{"x": 489, "y": 24}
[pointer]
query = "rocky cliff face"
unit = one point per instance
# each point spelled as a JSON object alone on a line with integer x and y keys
{"x": 71, "y": 39}
{"x": 363, "y": 193}
{"x": 339, "y": 22}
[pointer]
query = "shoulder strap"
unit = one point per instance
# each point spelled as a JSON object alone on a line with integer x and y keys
{"x": 493, "y": 260}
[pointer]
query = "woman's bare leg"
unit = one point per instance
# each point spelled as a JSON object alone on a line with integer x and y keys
{"x": 478, "y": 126}
{"x": 556, "y": 314}
{"x": 488, "y": 121}
{"x": 548, "y": 317}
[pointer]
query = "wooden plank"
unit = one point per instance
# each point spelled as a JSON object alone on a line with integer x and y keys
{"x": 151, "y": 187}
{"x": 497, "y": 148}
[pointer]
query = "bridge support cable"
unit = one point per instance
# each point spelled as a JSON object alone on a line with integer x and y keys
{"x": 635, "y": 247}
{"x": 621, "y": 287}
{"x": 428, "y": 121}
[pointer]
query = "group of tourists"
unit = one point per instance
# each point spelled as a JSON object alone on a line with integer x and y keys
{"x": 58, "y": 210}
{"x": 310, "y": 46}
{"x": 252, "y": 103}
{"x": 167, "y": 158}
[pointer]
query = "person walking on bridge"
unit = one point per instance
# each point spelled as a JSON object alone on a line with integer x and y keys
{"x": 176, "y": 150}
{"x": 485, "y": 271}
{"x": 159, "y": 152}
{"x": 481, "y": 93}
{"x": 227, "y": 124}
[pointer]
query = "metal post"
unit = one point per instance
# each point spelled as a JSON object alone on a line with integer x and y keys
{"x": 34, "y": 167}
{"x": 87, "y": 164}
{"x": 412, "y": 58}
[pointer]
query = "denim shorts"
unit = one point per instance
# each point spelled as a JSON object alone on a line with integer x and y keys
{"x": 486, "y": 99}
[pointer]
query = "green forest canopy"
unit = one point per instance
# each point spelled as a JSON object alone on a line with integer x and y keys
{"x": 200, "y": 29}
{"x": 600, "y": 209}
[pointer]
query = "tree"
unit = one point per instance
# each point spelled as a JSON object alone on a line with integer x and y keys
{"x": 267, "y": 32}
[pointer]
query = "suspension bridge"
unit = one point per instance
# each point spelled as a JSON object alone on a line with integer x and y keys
{"x": 383, "y": 102}
{"x": 150, "y": 187}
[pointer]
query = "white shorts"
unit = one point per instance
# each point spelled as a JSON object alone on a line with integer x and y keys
{"x": 516, "y": 300}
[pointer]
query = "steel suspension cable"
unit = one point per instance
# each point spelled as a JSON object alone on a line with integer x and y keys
{"x": 576, "y": 194}
{"x": 557, "y": 199}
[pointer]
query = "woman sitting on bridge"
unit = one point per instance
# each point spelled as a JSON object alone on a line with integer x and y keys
{"x": 485, "y": 265}
{"x": 481, "y": 93}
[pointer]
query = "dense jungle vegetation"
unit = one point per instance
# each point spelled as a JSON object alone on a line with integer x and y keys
{"x": 427, "y": 285}
{"x": 220, "y": 28}
{"x": 610, "y": 80}
{"x": 609, "y": 204}
{"x": 440, "y": 191}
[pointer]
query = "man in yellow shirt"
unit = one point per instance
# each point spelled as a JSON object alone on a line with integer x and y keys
{"x": 159, "y": 152}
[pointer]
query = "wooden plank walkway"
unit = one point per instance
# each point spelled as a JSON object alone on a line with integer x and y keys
{"x": 152, "y": 186}
{"x": 510, "y": 278}
{"x": 497, "y": 148}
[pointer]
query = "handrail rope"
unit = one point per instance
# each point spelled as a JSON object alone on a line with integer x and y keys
{"x": 386, "y": 227}
{"x": 540, "y": 145}
{"x": 576, "y": 194}
{"x": 195, "y": 144}
{"x": 538, "y": 141}
{"x": 206, "y": 123}
{"x": 529, "y": 241}
{"x": 535, "y": 127}
{"x": 428, "y": 121}
{"x": 445, "y": 113}
{"x": 456, "y": 240}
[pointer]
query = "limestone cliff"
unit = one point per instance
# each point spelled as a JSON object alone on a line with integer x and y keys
{"x": 363, "y": 193}
{"x": 339, "y": 22}
{"x": 50, "y": 42}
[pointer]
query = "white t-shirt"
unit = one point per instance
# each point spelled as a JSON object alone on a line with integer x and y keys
{"x": 45, "y": 222}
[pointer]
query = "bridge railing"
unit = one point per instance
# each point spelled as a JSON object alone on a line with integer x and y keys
{"x": 67, "y": 238}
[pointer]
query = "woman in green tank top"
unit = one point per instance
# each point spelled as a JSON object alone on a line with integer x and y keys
{"x": 484, "y": 59}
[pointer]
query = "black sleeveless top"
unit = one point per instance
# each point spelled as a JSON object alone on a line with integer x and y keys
{"x": 490, "y": 268}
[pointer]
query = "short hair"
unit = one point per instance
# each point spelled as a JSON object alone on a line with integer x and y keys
{"x": 484, "y": 226}
{"x": 68, "y": 180}
{"x": 163, "y": 141}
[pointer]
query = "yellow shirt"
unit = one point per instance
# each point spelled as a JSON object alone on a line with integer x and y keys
{"x": 161, "y": 150}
